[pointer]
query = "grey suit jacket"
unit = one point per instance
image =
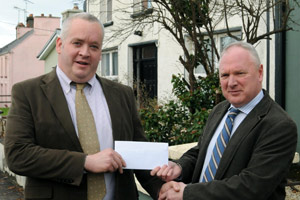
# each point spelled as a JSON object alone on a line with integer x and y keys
{"x": 41, "y": 142}
{"x": 254, "y": 164}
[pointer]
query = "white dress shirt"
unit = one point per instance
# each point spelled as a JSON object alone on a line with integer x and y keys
{"x": 97, "y": 102}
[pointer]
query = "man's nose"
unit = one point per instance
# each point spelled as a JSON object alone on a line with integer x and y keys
{"x": 232, "y": 81}
{"x": 84, "y": 51}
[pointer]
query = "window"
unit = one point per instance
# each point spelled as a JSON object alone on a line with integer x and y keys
{"x": 109, "y": 65}
{"x": 105, "y": 11}
{"x": 226, "y": 40}
{"x": 141, "y": 5}
{"x": 1, "y": 67}
{"x": 105, "y": 65}
{"x": 221, "y": 41}
{"x": 5, "y": 71}
{"x": 5, "y": 67}
{"x": 199, "y": 70}
{"x": 115, "y": 71}
{"x": 147, "y": 4}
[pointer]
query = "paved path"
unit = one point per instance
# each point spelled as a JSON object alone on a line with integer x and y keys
{"x": 9, "y": 190}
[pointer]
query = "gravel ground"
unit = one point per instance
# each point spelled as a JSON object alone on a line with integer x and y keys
{"x": 293, "y": 194}
{"x": 9, "y": 190}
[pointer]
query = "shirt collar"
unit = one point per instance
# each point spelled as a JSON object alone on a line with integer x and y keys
{"x": 66, "y": 82}
{"x": 92, "y": 83}
{"x": 249, "y": 106}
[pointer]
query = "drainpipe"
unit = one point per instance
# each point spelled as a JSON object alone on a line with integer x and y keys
{"x": 280, "y": 41}
{"x": 84, "y": 6}
{"x": 268, "y": 50}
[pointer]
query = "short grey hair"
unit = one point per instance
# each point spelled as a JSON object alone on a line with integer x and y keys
{"x": 249, "y": 47}
{"x": 84, "y": 16}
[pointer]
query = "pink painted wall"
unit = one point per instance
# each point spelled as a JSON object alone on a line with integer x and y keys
{"x": 4, "y": 79}
{"x": 25, "y": 62}
{"x": 20, "y": 31}
{"x": 22, "y": 60}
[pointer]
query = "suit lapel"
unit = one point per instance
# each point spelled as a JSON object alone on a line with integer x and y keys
{"x": 111, "y": 94}
{"x": 59, "y": 104}
{"x": 209, "y": 131}
{"x": 244, "y": 129}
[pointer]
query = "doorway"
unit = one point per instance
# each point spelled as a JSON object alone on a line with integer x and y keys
{"x": 145, "y": 73}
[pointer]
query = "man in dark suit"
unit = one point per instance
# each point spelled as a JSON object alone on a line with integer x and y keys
{"x": 256, "y": 160}
{"x": 42, "y": 140}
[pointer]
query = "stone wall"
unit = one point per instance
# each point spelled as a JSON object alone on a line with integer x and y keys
{"x": 3, "y": 166}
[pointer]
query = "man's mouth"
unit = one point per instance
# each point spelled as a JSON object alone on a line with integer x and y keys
{"x": 234, "y": 91}
{"x": 82, "y": 62}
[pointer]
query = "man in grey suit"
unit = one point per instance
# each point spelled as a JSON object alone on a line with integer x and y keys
{"x": 256, "y": 160}
{"x": 42, "y": 138}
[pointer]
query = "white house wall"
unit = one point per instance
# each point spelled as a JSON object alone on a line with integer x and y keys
{"x": 168, "y": 50}
{"x": 168, "y": 53}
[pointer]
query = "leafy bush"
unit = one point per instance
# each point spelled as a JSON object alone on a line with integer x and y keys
{"x": 206, "y": 95}
{"x": 182, "y": 121}
{"x": 5, "y": 111}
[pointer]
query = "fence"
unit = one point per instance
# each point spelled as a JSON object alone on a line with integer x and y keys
{"x": 5, "y": 98}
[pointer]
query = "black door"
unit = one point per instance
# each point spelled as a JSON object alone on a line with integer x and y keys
{"x": 145, "y": 72}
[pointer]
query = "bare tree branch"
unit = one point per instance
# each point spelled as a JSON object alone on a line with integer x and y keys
{"x": 196, "y": 21}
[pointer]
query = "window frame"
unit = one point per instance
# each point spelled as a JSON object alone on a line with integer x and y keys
{"x": 111, "y": 55}
{"x": 141, "y": 7}
{"x": 218, "y": 41}
{"x": 106, "y": 11}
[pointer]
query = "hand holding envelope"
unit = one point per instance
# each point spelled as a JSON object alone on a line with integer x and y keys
{"x": 167, "y": 172}
{"x": 142, "y": 155}
{"x": 153, "y": 156}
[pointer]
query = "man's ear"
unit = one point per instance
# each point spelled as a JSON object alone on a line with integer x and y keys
{"x": 261, "y": 72}
{"x": 58, "y": 45}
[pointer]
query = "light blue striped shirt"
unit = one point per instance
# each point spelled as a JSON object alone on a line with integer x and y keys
{"x": 97, "y": 102}
{"x": 245, "y": 110}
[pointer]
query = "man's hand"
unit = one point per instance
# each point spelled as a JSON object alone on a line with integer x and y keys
{"x": 107, "y": 160}
{"x": 167, "y": 172}
{"x": 172, "y": 191}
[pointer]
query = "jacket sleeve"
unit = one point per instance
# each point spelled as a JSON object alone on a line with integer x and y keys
{"x": 25, "y": 153}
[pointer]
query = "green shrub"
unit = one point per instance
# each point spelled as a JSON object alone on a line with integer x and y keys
{"x": 5, "y": 111}
{"x": 182, "y": 121}
{"x": 161, "y": 123}
{"x": 207, "y": 92}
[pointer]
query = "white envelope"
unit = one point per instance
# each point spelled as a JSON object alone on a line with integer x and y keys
{"x": 142, "y": 155}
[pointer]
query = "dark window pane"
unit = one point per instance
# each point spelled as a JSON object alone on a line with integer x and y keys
{"x": 115, "y": 63}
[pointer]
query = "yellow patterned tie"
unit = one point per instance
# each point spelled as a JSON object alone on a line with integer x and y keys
{"x": 89, "y": 141}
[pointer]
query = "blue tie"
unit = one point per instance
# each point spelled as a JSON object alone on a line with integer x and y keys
{"x": 220, "y": 146}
